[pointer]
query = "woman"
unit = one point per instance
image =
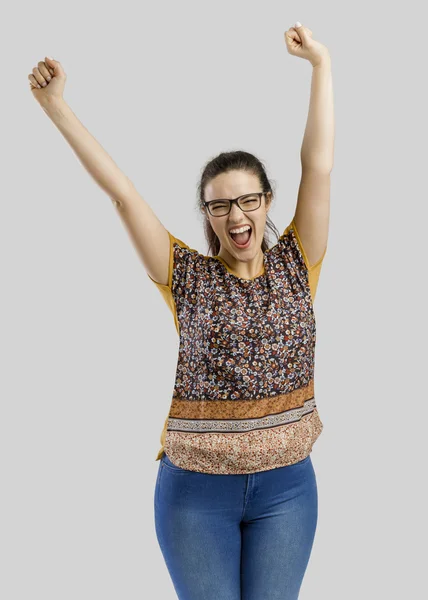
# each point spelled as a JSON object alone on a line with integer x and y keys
{"x": 236, "y": 495}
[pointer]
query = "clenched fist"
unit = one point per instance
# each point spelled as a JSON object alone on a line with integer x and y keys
{"x": 47, "y": 81}
{"x": 300, "y": 43}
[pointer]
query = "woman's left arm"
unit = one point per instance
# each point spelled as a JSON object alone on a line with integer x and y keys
{"x": 317, "y": 153}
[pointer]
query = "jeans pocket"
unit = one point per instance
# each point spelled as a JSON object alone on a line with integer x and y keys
{"x": 157, "y": 484}
{"x": 166, "y": 462}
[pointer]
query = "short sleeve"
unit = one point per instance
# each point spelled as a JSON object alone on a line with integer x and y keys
{"x": 180, "y": 291}
{"x": 313, "y": 271}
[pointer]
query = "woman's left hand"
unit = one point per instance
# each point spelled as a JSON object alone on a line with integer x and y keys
{"x": 300, "y": 43}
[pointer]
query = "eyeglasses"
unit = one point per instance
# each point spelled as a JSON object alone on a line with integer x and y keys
{"x": 247, "y": 203}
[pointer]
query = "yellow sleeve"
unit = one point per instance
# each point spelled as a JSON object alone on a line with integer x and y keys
{"x": 180, "y": 264}
{"x": 313, "y": 270}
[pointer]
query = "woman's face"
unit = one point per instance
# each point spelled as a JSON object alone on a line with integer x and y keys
{"x": 231, "y": 185}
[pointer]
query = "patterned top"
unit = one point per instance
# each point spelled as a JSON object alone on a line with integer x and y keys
{"x": 243, "y": 398}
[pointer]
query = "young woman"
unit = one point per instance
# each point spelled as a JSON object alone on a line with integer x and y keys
{"x": 236, "y": 496}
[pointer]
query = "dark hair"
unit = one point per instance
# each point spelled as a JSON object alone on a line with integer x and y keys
{"x": 222, "y": 163}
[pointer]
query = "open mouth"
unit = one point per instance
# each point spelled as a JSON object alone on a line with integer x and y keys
{"x": 241, "y": 240}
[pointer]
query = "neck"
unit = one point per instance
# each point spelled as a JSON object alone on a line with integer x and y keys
{"x": 247, "y": 269}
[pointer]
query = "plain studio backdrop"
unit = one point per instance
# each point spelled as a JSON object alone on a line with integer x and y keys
{"x": 88, "y": 345}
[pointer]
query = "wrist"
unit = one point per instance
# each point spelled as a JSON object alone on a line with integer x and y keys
{"x": 322, "y": 61}
{"x": 54, "y": 105}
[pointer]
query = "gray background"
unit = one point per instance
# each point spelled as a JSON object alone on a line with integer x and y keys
{"x": 88, "y": 346}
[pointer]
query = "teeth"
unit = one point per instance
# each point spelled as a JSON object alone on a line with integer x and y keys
{"x": 241, "y": 230}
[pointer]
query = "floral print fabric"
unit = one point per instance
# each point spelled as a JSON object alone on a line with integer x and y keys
{"x": 243, "y": 397}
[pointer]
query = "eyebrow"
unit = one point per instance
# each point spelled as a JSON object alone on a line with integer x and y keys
{"x": 241, "y": 196}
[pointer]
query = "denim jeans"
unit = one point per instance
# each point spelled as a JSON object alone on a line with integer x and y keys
{"x": 236, "y": 537}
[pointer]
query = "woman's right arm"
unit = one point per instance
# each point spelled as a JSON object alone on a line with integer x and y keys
{"x": 90, "y": 153}
{"x": 149, "y": 236}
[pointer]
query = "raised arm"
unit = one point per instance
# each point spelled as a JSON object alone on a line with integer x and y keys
{"x": 147, "y": 233}
{"x": 313, "y": 202}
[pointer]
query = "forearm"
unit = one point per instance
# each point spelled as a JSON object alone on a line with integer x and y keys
{"x": 89, "y": 152}
{"x": 317, "y": 150}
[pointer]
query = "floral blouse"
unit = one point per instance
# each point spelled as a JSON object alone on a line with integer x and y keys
{"x": 243, "y": 398}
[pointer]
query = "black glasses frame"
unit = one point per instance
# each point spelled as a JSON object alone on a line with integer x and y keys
{"x": 236, "y": 200}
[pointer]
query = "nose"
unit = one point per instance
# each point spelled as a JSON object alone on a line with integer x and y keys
{"x": 235, "y": 209}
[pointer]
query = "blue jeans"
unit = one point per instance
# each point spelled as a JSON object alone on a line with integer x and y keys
{"x": 236, "y": 537}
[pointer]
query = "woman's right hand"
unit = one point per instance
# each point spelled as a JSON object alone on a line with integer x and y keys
{"x": 47, "y": 81}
